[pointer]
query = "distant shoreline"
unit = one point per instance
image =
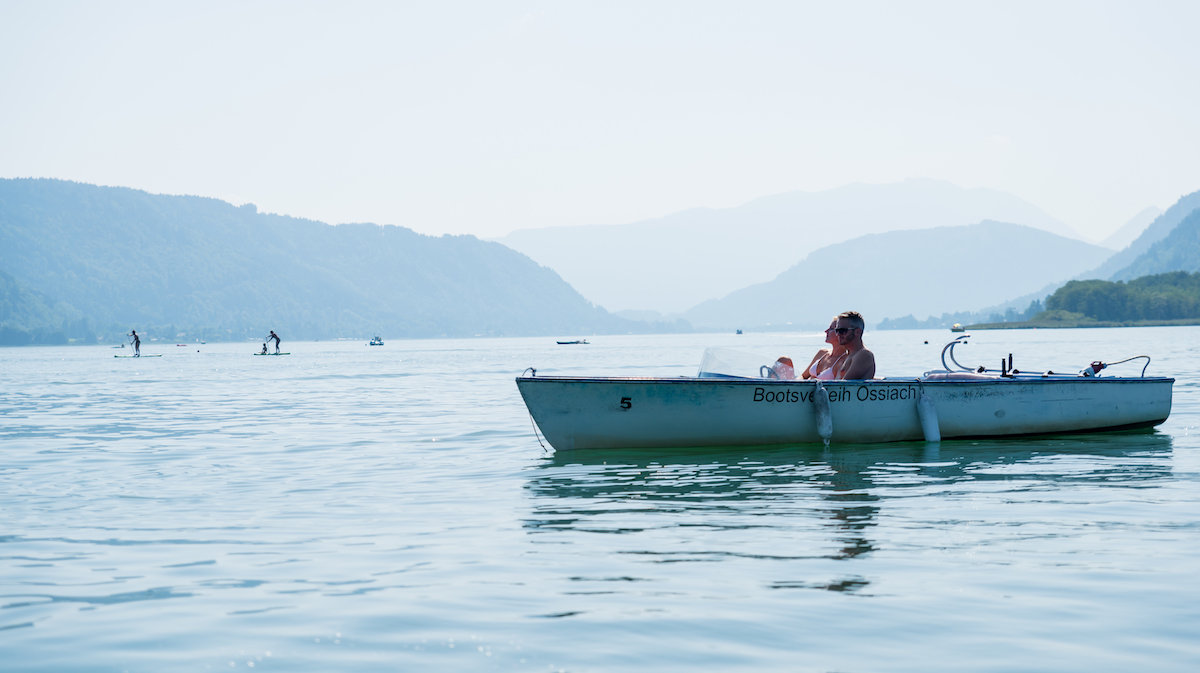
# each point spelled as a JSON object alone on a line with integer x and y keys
{"x": 1072, "y": 324}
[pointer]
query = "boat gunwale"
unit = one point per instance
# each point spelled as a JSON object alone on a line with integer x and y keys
{"x": 1020, "y": 378}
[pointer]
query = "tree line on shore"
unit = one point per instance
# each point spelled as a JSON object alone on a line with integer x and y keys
{"x": 1164, "y": 297}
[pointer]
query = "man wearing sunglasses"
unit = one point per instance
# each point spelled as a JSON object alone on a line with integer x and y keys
{"x": 859, "y": 362}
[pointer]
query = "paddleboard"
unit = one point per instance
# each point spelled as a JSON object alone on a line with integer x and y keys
{"x": 272, "y": 353}
{"x": 138, "y": 356}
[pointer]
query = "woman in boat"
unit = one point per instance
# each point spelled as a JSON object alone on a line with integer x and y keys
{"x": 825, "y": 362}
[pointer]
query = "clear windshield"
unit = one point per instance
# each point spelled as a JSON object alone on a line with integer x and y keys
{"x": 720, "y": 362}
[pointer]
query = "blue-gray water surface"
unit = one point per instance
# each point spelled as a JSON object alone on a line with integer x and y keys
{"x": 355, "y": 508}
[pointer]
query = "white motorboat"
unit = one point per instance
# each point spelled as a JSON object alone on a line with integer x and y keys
{"x": 721, "y": 409}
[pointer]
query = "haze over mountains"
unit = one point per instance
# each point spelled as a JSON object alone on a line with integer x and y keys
{"x": 82, "y": 261}
{"x": 673, "y": 263}
{"x": 85, "y": 262}
{"x": 922, "y": 272}
{"x": 1178, "y": 250}
{"x": 1160, "y": 228}
{"x": 1131, "y": 230}
{"x": 931, "y": 272}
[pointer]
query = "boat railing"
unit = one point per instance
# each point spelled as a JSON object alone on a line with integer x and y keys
{"x": 948, "y": 352}
{"x": 993, "y": 375}
{"x": 727, "y": 363}
{"x": 1121, "y": 362}
{"x": 1007, "y": 370}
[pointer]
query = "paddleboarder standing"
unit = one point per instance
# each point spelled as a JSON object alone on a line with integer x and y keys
{"x": 137, "y": 343}
{"x": 276, "y": 338}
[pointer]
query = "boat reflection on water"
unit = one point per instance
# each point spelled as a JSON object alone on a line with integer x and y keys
{"x": 809, "y": 503}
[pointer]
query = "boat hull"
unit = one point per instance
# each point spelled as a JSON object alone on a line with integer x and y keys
{"x": 597, "y": 413}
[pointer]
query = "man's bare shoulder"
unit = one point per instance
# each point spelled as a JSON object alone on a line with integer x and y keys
{"x": 861, "y": 365}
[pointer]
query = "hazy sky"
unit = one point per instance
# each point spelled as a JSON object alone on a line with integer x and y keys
{"x": 484, "y": 117}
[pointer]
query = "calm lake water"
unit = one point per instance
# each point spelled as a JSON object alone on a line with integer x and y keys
{"x": 349, "y": 508}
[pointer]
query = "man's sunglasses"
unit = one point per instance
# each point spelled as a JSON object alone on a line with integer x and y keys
{"x": 843, "y": 330}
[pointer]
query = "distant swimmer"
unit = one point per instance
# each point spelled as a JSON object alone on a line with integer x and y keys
{"x": 276, "y": 338}
{"x": 137, "y": 343}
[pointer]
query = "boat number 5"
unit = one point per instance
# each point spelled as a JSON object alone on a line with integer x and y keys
{"x": 626, "y": 402}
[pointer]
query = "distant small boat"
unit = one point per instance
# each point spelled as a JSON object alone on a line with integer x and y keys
{"x": 956, "y": 327}
{"x": 272, "y": 353}
{"x": 739, "y": 331}
{"x": 376, "y": 341}
{"x": 568, "y": 343}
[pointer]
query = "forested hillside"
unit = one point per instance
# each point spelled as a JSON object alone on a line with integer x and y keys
{"x": 1178, "y": 251}
{"x": 87, "y": 262}
{"x": 28, "y": 316}
{"x": 1159, "y": 298}
{"x": 1159, "y": 229}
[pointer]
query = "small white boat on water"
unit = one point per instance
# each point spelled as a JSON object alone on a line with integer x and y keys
{"x": 716, "y": 408}
{"x": 376, "y": 341}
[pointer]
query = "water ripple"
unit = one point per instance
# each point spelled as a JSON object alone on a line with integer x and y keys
{"x": 352, "y": 509}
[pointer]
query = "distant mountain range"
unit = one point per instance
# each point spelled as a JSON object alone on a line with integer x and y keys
{"x": 984, "y": 269}
{"x": 922, "y": 272}
{"x": 85, "y": 262}
{"x": 1114, "y": 268}
{"x": 81, "y": 261}
{"x": 1129, "y": 232}
{"x": 1179, "y": 250}
{"x": 675, "y": 262}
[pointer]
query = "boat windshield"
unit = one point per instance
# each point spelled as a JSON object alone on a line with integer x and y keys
{"x": 725, "y": 363}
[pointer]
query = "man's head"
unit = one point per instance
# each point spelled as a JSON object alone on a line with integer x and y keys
{"x": 849, "y": 327}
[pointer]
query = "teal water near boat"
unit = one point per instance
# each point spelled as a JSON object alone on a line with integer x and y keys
{"x": 391, "y": 509}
